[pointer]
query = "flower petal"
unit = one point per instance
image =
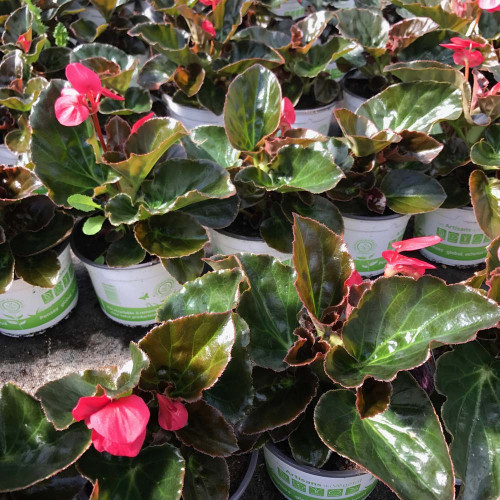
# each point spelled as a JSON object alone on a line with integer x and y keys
{"x": 416, "y": 243}
{"x": 106, "y": 92}
{"x": 118, "y": 449}
{"x": 89, "y": 405}
{"x": 122, "y": 420}
{"x": 208, "y": 27}
{"x": 354, "y": 279}
{"x": 142, "y": 121}
{"x": 489, "y": 5}
{"x": 287, "y": 112}
{"x": 83, "y": 79}
{"x": 172, "y": 415}
{"x": 69, "y": 109}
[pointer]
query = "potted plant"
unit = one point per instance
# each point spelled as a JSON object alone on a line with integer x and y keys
{"x": 37, "y": 284}
{"x": 276, "y": 169}
{"x": 337, "y": 357}
{"x": 159, "y": 426}
{"x": 144, "y": 210}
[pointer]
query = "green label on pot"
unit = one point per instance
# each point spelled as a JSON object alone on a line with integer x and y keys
{"x": 26, "y": 311}
{"x": 129, "y": 313}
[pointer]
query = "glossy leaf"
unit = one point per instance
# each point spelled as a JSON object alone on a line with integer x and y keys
{"x": 296, "y": 169}
{"x": 190, "y": 352}
{"x": 158, "y": 472}
{"x": 206, "y": 477}
{"x": 215, "y": 292}
{"x": 270, "y": 308}
{"x": 323, "y": 265}
{"x": 171, "y": 235}
{"x": 59, "y": 397}
{"x": 136, "y": 100}
{"x": 405, "y": 32}
{"x": 412, "y": 192}
{"x": 373, "y": 397}
{"x": 396, "y": 321}
{"x": 228, "y": 16}
{"x": 125, "y": 252}
{"x": 31, "y": 449}
{"x": 155, "y": 72}
{"x": 469, "y": 377}
{"x": 207, "y": 431}
{"x": 274, "y": 39}
{"x": 413, "y": 106}
{"x": 63, "y": 159}
{"x": 485, "y": 197}
{"x": 83, "y": 203}
{"x": 6, "y": 267}
{"x": 404, "y": 446}
{"x": 93, "y": 225}
{"x": 279, "y": 397}
{"x": 248, "y": 116}
{"x": 39, "y": 270}
{"x": 486, "y": 152}
{"x": 185, "y": 268}
{"x": 215, "y": 213}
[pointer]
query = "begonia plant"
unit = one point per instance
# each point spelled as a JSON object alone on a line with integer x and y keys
{"x": 140, "y": 202}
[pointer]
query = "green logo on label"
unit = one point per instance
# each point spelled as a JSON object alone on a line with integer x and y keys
{"x": 352, "y": 489}
{"x": 165, "y": 287}
{"x": 465, "y": 239}
{"x": 441, "y": 232}
{"x": 453, "y": 237}
{"x": 10, "y": 306}
{"x": 335, "y": 493}
{"x": 66, "y": 278}
{"x": 316, "y": 491}
{"x": 283, "y": 475}
{"x": 477, "y": 238}
{"x": 298, "y": 485}
{"x": 48, "y": 296}
{"x": 364, "y": 246}
{"x": 59, "y": 288}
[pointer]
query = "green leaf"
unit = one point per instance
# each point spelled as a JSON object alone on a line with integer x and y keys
{"x": 86, "y": 30}
{"x": 39, "y": 270}
{"x": 323, "y": 265}
{"x": 405, "y": 32}
{"x": 59, "y": 397}
{"x": 413, "y": 106}
{"x": 174, "y": 234}
{"x": 486, "y": 152}
{"x": 412, "y": 192}
{"x": 228, "y": 16}
{"x": 396, "y": 321}
{"x": 93, "y": 225}
{"x": 18, "y": 140}
{"x": 253, "y": 107}
{"x": 125, "y": 252}
{"x": 30, "y": 448}
{"x": 17, "y": 183}
{"x": 180, "y": 182}
{"x": 296, "y": 169}
{"x": 280, "y": 397}
{"x": 366, "y": 26}
{"x": 105, "y": 7}
{"x": 404, "y": 446}
{"x": 186, "y": 268}
{"x": 120, "y": 210}
{"x": 274, "y": 39}
{"x": 233, "y": 393}
{"x": 82, "y": 202}
{"x": 485, "y": 197}
{"x": 163, "y": 37}
{"x": 190, "y": 352}
{"x": 155, "y": 72}
{"x": 146, "y": 147}
{"x": 469, "y": 377}
{"x": 157, "y": 472}
{"x": 215, "y": 213}
{"x": 209, "y": 142}
{"x": 215, "y": 292}
{"x": 270, "y": 308}
{"x": 189, "y": 78}
{"x": 6, "y": 267}
{"x": 311, "y": 27}
{"x": 63, "y": 159}
{"x": 137, "y": 100}
{"x": 206, "y": 477}
{"x": 207, "y": 431}
{"x": 492, "y": 258}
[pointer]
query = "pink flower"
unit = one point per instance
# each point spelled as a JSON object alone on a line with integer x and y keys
{"x": 397, "y": 263}
{"x": 287, "y": 118}
{"x": 463, "y": 53}
{"x": 489, "y": 5}
{"x": 213, "y": 3}
{"x": 118, "y": 425}
{"x": 86, "y": 92}
{"x": 142, "y": 121}
{"x": 172, "y": 415}
{"x": 354, "y": 279}
{"x": 24, "y": 42}
{"x": 208, "y": 27}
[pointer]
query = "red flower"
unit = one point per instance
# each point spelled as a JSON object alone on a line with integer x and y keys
{"x": 354, "y": 279}
{"x": 463, "y": 53}
{"x": 86, "y": 92}
{"x": 172, "y": 415}
{"x": 287, "y": 118}
{"x": 118, "y": 426}
{"x": 208, "y": 27}
{"x": 213, "y": 3}
{"x": 397, "y": 263}
{"x": 489, "y": 5}
{"x": 24, "y": 42}
{"x": 142, "y": 121}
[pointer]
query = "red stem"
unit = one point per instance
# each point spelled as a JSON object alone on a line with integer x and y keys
{"x": 99, "y": 132}
{"x": 466, "y": 70}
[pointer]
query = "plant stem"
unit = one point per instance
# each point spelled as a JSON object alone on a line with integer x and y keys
{"x": 466, "y": 70}
{"x": 99, "y": 132}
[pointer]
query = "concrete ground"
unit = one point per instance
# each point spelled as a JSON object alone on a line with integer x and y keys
{"x": 88, "y": 339}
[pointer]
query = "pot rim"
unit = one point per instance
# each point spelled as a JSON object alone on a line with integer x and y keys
{"x": 374, "y": 218}
{"x": 247, "y": 477}
{"x": 351, "y": 73}
{"x": 312, "y": 470}
{"x": 237, "y": 236}
{"x": 87, "y": 261}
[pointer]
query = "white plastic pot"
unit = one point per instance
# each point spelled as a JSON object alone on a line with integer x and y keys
{"x": 464, "y": 244}
{"x": 225, "y": 243}
{"x": 290, "y": 8}
{"x": 317, "y": 119}
{"x": 352, "y": 101}
{"x": 26, "y": 309}
{"x": 192, "y": 117}
{"x": 367, "y": 237}
{"x": 130, "y": 295}
{"x": 299, "y": 482}
{"x": 7, "y": 157}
